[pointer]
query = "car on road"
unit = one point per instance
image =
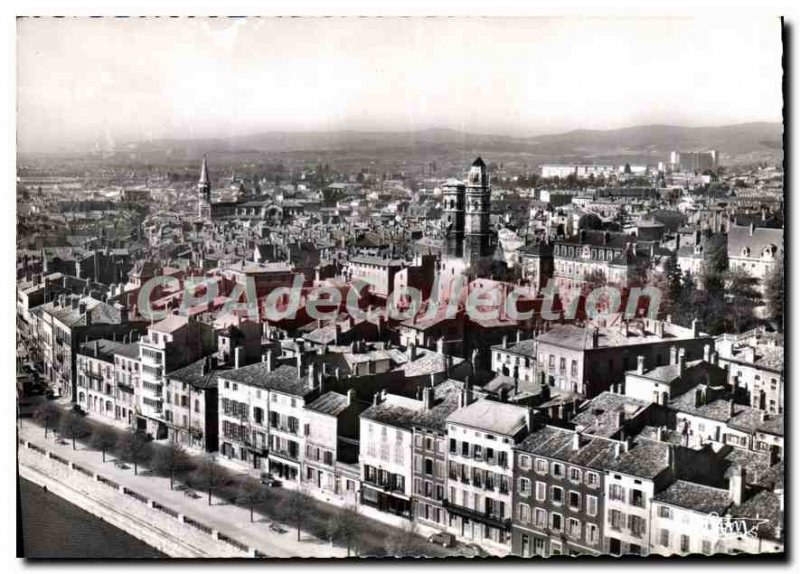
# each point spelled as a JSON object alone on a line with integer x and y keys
{"x": 442, "y": 539}
{"x": 472, "y": 550}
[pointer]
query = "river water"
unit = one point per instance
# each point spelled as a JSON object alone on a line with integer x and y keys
{"x": 55, "y": 528}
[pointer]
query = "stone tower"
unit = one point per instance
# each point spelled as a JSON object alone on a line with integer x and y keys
{"x": 476, "y": 213}
{"x": 453, "y": 217}
{"x": 204, "y": 193}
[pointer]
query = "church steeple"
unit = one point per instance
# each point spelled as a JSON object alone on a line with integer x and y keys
{"x": 204, "y": 192}
{"x": 203, "y": 182}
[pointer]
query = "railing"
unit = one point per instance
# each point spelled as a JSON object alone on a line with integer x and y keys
{"x": 491, "y": 519}
{"x": 108, "y": 482}
{"x": 165, "y": 509}
{"x": 136, "y": 495}
{"x": 199, "y": 525}
{"x": 233, "y": 542}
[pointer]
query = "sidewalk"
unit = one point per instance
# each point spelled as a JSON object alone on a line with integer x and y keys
{"x": 226, "y": 518}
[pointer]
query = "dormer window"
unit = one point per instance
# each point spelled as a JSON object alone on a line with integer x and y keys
{"x": 745, "y": 252}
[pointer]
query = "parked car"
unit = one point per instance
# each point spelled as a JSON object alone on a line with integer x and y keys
{"x": 472, "y": 550}
{"x": 442, "y": 538}
{"x": 269, "y": 480}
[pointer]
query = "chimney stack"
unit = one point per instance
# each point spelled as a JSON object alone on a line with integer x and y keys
{"x": 428, "y": 395}
{"x": 595, "y": 337}
{"x": 681, "y": 361}
{"x": 505, "y": 341}
{"x": 736, "y": 484}
{"x": 707, "y": 353}
{"x": 440, "y": 346}
{"x": 238, "y": 358}
{"x": 312, "y": 375}
{"x": 695, "y": 328}
{"x": 673, "y": 355}
{"x": 640, "y": 364}
{"x": 576, "y": 441}
{"x": 351, "y": 395}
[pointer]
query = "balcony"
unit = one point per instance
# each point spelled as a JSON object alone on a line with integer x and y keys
{"x": 477, "y": 515}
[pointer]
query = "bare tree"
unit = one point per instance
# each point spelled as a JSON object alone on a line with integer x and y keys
{"x": 345, "y": 526}
{"x": 103, "y": 439}
{"x": 251, "y": 492}
{"x": 296, "y": 507}
{"x": 47, "y": 414}
{"x": 73, "y": 426}
{"x": 209, "y": 476}
{"x": 134, "y": 448}
{"x": 170, "y": 458}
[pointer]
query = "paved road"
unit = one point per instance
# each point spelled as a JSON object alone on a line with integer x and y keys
{"x": 371, "y": 540}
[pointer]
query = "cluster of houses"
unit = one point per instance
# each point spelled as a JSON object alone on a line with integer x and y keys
{"x": 605, "y": 436}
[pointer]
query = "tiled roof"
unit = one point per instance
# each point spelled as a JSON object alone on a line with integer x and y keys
{"x": 283, "y": 379}
{"x": 697, "y": 497}
{"x": 557, "y": 443}
{"x": 491, "y": 416}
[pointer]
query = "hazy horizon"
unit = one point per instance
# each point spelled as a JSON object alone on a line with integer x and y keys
{"x": 87, "y": 83}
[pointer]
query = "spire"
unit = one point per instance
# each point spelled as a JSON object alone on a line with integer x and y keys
{"x": 204, "y": 174}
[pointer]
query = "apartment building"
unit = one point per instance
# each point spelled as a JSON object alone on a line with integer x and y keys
{"x": 430, "y": 452}
{"x": 755, "y": 364}
{"x": 261, "y": 413}
{"x": 127, "y": 374}
{"x": 96, "y": 381}
{"x": 386, "y": 453}
{"x": 480, "y": 473}
{"x": 173, "y": 342}
{"x": 331, "y": 456}
{"x": 191, "y": 405}
{"x": 517, "y": 360}
{"x": 631, "y": 481}
{"x": 589, "y": 360}
{"x": 558, "y": 497}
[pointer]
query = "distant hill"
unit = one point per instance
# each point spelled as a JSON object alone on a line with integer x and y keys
{"x": 650, "y": 144}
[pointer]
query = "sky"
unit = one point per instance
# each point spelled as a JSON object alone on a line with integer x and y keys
{"x": 103, "y": 82}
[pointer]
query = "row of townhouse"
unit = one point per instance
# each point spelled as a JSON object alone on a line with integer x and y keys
{"x": 451, "y": 459}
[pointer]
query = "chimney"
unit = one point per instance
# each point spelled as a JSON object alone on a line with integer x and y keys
{"x": 617, "y": 449}
{"x": 519, "y": 336}
{"x": 671, "y": 462}
{"x": 673, "y": 355}
{"x": 440, "y": 346}
{"x": 376, "y": 399}
{"x": 299, "y": 362}
{"x": 660, "y": 434}
{"x": 312, "y": 375}
{"x": 267, "y": 358}
{"x": 96, "y": 348}
{"x": 707, "y": 353}
{"x": 681, "y": 361}
{"x": 620, "y": 418}
{"x": 640, "y": 364}
{"x": 411, "y": 351}
{"x": 576, "y": 441}
{"x": 698, "y": 398}
{"x": 238, "y": 358}
{"x": 731, "y": 409}
{"x": 203, "y": 368}
{"x": 505, "y": 341}
{"x": 428, "y": 394}
{"x": 736, "y": 485}
{"x": 351, "y": 395}
{"x": 752, "y": 227}
{"x": 695, "y": 328}
{"x": 659, "y": 325}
